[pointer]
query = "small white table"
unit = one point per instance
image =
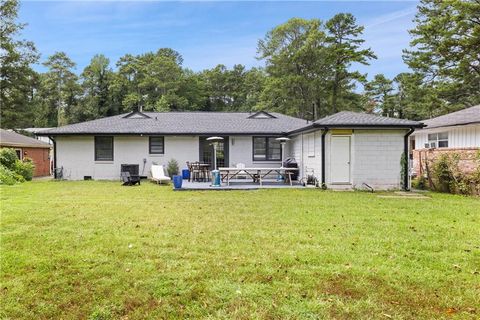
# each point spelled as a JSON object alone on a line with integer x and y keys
{"x": 256, "y": 173}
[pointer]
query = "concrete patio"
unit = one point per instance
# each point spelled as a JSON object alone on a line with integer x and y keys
{"x": 239, "y": 184}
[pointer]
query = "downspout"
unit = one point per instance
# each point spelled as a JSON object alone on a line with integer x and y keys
{"x": 407, "y": 158}
{"x": 324, "y": 133}
{"x": 303, "y": 162}
{"x": 54, "y": 157}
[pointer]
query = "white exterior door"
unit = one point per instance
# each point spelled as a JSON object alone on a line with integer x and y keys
{"x": 340, "y": 159}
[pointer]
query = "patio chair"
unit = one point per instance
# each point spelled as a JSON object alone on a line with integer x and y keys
{"x": 196, "y": 171}
{"x": 241, "y": 174}
{"x": 205, "y": 173}
{"x": 128, "y": 179}
{"x": 158, "y": 174}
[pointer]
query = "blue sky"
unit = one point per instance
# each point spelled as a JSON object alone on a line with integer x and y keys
{"x": 205, "y": 33}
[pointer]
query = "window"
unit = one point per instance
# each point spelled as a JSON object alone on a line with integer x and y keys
{"x": 19, "y": 153}
{"x": 156, "y": 145}
{"x": 103, "y": 148}
{"x": 266, "y": 149}
{"x": 438, "y": 140}
{"x": 311, "y": 145}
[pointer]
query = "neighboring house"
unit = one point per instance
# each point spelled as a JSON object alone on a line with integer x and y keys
{"x": 355, "y": 148}
{"x": 32, "y": 148}
{"x": 457, "y": 132}
{"x": 34, "y": 131}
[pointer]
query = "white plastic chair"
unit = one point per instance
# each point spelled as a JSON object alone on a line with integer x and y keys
{"x": 241, "y": 166}
{"x": 158, "y": 174}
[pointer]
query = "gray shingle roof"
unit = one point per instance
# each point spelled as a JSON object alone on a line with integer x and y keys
{"x": 13, "y": 139}
{"x": 465, "y": 116}
{"x": 348, "y": 118}
{"x": 183, "y": 123}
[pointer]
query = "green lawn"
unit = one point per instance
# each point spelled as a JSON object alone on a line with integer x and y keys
{"x": 102, "y": 251}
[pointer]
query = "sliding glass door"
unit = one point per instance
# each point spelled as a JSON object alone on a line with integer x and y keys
{"x": 206, "y": 152}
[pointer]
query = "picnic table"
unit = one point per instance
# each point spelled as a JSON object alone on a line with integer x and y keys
{"x": 257, "y": 174}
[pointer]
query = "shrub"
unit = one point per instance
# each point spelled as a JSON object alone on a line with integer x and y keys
{"x": 25, "y": 169}
{"x": 443, "y": 172}
{"x": 448, "y": 177}
{"x": 172, "y": 167}
{"x": 8, "y": 157}
{"x": 13, "y": 170}
{"x": 419, "y": 183}
{"x": 403, "y": 168}
{"x": 7, "y": 176}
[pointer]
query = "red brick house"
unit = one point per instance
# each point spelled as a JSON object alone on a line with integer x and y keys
{"x": 457, "y": 132}
{"x": 32, "y": 148}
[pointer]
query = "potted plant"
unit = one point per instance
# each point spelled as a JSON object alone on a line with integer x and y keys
{"x": 172, "y": 169}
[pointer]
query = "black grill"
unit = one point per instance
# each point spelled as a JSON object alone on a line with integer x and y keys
{"x": 291, "y": 163}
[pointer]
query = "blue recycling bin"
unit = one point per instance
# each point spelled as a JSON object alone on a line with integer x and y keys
{"x": 177, "y": 182}
{"x": 186, "y": 174}
{"x": 216, "y": 178}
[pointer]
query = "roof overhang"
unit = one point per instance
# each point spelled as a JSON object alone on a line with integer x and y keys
{"x": 24, "y": 145}
{"x": 166, "y": 134}
{"x": 314, "y": 126}
{"x": 426, "y": 127}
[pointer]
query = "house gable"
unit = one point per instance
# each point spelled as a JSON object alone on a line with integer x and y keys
{"x": 262, "y": 115}
{"x": 136, "y": 115}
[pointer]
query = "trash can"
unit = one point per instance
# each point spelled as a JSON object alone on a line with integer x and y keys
{"x": 177, "y": 182}
{"x": 186, "y": 174}
{"x": 216, "y": 178}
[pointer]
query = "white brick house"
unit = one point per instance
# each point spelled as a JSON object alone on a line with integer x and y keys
{"x": 345, "y": 150}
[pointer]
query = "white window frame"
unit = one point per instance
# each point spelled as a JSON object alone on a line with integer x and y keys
{"x": 311, "y": 145}
{"x": 434, "y": 139}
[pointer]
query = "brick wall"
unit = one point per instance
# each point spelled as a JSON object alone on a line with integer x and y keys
{"x": 41, "y": 159}
{"x": 467, "y": 162}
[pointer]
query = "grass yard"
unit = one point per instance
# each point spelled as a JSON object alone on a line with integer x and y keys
{"x": 97, "y": 250}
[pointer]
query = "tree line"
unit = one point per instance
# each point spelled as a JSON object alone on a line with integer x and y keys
{"x": 309, "y": 72}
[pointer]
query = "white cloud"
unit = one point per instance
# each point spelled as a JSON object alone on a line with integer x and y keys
{"x": 391, "y": 17}
{"x": 388, "y": 35}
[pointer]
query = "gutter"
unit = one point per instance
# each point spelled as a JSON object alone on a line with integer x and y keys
{"x": 354, "y": 126}
{"x": 19, "y": 145}
{"x": 54, "y": 156}
{"x": 201, "y": 134}
{"x": 405, "y": 151}
{"x": 324, "y": 133}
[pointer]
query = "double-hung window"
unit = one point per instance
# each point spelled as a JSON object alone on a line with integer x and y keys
{"x": 156, "y": 145}
{"x": 266, "y": 149}
{"x": 438, "y": 140}
{"x": 103, "y": 148}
